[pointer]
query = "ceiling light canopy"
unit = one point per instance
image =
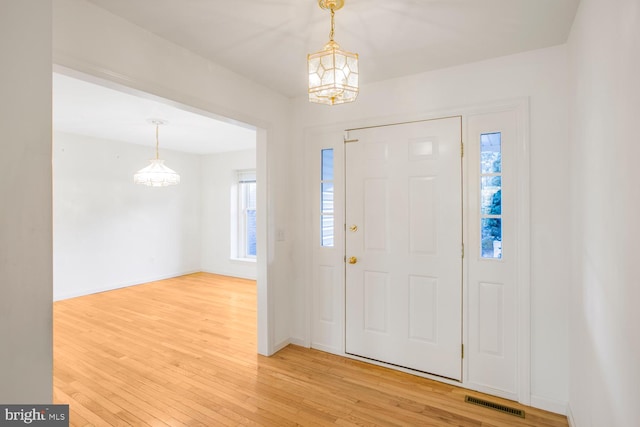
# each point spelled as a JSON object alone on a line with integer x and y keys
{"x": 156, "y": 174}
{"x": 333, "y": 72}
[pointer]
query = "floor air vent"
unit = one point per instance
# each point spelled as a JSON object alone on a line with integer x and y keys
{"x": 495, "y": 406}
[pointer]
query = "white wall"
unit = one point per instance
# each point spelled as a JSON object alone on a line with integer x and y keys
{"x": 110, "y": 232}
{"x": 540, "y": 75}
{"x": 25, "y": 203}
{"x": 93, "y": 41}
{"x": 219, "y": 179}
{"x": 604, "y": 48}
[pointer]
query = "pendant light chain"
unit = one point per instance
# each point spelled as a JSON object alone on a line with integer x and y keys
{"x": 157, "y": 143}
{"x": 333, "y": 24}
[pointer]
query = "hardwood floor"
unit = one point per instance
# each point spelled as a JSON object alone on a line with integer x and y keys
{"x": 182, "y": 352}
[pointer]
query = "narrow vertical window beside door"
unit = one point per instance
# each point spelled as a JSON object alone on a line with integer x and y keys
{"x": 326, "y": 198}
{"x": 247, "y": 214}
{"x": 491, "y": 195}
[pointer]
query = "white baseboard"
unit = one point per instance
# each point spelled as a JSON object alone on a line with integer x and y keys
{"x": 280, "y": 346}
{"x": 114, "y": 286}
{"x": 230, "y": 273}
{"x": 492, "y": 391}
{"x": 572, "y": 421}
{"x": 327, "y": 349}
{"x": 551, "y": 405}
{"x": 299, "y": 342}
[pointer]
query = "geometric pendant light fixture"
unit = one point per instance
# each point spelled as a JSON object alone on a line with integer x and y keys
{"x": 333, "y": 72}
{"x": 156, "y": 174}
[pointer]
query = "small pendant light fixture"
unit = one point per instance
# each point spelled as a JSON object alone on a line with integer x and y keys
{"x": 156, "y": 174}
{"x": 333, "y": 73}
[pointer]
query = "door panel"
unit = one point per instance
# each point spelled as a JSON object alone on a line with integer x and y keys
{"x": 404, "y": 228}
{"x": 492, "y": 350}
{"x": 326, "y": 242}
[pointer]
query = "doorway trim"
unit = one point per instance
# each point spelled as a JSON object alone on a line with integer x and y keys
{"x": 64, "y": 64}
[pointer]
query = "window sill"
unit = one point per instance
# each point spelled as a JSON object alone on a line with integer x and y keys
{"x": 243, "y": 260}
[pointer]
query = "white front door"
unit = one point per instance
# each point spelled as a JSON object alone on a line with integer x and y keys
{"x": 404, "y": 245}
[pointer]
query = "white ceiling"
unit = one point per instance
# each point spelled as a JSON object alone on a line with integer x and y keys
{"x": 90, "y": 109}
{"x": 268, "y": 40}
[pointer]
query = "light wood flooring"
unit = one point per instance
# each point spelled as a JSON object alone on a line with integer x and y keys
{"x": 182, "y": 352}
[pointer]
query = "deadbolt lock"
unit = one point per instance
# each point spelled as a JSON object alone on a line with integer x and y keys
{"x": 353, "y": 228}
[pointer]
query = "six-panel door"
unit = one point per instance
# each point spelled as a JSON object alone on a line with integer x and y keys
{"x": 404, "y": 245}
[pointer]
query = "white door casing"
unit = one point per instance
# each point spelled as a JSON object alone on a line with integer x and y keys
{"x": 404, "y": 245}
{"x": 492, "y": 320}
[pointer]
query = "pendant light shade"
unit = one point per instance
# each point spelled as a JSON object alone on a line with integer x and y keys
{"x": 156, "y": 174}
{"x": 333, "y": 72}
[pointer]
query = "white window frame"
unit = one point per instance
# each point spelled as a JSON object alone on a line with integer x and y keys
{"x": 328, "y": 215}
{"x": 244, "y": 179}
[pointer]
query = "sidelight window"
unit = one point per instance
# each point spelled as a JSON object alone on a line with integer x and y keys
{"x": 326, "y": 198}
{"x": 491, "y": 195}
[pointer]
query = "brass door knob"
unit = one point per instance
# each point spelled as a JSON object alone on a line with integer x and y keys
{"x": 353, "y": 228}
{"x": 353, "y": 260}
